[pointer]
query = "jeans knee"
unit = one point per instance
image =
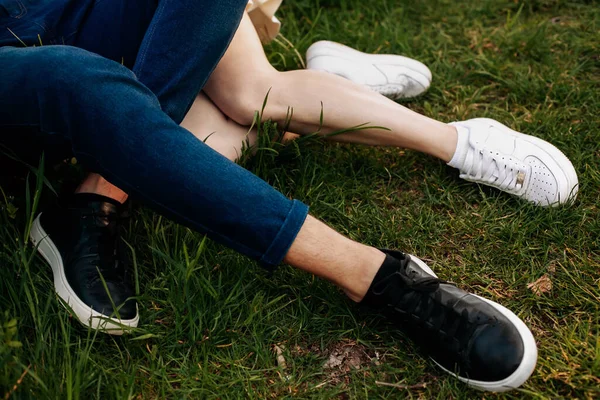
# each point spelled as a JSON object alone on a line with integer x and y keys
{"x": 76, "y": 88}
{"x": 70, "y": 68}
{"x": 90, "y": 82}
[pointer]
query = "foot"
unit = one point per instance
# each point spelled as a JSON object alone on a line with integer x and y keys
{"x": 391, "y": 75}
{"x": 82, "y": 245}
{"x": 480, "y": 342}
{"x": 525, "y": 166}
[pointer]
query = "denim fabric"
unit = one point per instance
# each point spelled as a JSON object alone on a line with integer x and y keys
{"x": 123, "y": 123}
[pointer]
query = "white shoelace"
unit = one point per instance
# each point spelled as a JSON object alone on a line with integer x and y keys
{"x": 494, "y": 169}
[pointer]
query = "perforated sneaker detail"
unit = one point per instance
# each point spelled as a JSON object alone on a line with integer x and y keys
{"x": 543, "y": 184}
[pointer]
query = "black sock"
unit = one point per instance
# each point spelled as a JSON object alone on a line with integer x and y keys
{"x": 394, "y": 260}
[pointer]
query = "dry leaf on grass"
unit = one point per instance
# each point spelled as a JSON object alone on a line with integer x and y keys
{"x": 281, "y": 363}
{"x": 280, "y": 358}
{"x": 541, "y": 286}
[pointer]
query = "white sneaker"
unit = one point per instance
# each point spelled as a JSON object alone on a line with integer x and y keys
{"x": 393, "y": 76}
{"x": 525, "y": 166}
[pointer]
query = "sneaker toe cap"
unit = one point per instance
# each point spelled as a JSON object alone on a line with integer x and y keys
{"x": 120, "y": 297}
{"x": 496, "y": 354}
{"x": 551, "y": 183}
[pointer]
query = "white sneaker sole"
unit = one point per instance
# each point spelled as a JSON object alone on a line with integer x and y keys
{"x": 84, "y": 313}
{"x": 558, "y": 156}
{"x": 530, "y": 353}
{"x": 324, "y": 53}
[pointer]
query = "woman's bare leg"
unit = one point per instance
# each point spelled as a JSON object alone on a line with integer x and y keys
{"x": 240, "y": 82}
{"x": 218, "y": 131}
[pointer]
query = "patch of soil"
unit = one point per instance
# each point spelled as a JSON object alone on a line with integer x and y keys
{"x": 346, "y": 356}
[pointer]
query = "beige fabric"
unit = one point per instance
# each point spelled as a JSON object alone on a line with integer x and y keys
{"x": 262, "y": 14}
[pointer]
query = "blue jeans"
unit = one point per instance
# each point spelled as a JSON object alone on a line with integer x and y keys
{"x": 111, "y": 83}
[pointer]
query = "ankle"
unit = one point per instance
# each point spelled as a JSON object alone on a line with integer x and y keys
{"x": 357, "y": 285}
{"x": 96, "y": 184}
{"x": 450, "y": 145}
{"x": 461, "y": 147}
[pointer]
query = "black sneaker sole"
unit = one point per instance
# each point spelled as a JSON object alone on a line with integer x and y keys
{"x": 525, "y": 369}
{"x": 84, "y": 313}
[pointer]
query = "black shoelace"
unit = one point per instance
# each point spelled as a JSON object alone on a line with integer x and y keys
{"x": 104, "y": 247}
{"x": 418, "y": 302}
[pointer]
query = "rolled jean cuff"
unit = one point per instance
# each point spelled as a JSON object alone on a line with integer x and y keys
{"x": 286, "y": 236}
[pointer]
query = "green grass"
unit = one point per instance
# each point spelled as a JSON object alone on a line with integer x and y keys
{"x": 209, "y": 324}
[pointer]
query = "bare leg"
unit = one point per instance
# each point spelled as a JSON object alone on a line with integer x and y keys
{"x": 322, "y": 251}
{"x": 345, "y": 104}
{"x": 350, "y": 104}
{"x": 217, "y": 130}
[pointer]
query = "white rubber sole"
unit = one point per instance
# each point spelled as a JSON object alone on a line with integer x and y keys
{"x": 323, "y": 53}
{"x": 558, "y": 156}
{"x": 530, "y": 353}
{"x": 84, "y": 313}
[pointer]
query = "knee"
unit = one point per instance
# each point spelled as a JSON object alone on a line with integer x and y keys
{"x": 87, "y": 81}
{"x": 75, "y": 87}
{"x": 240, "y": 98}
{"x": 72, "y": 68}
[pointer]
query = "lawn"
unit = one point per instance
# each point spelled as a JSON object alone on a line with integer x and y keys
{"x": 213, "y": 323}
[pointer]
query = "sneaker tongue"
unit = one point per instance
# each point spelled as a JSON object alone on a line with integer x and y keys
{"x": 99, "y": 205}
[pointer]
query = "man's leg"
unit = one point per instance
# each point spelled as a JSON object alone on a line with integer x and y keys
{"x": 117, "y": 128}
{"x": 72, "y": 92}
{"x": 172, "y": 46}
{"x": 181, "y": 48}
{"x": 66, "y": 105}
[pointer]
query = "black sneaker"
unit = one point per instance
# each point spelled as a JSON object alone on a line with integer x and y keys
{"x": 477, "y": 340}
{"x": 82, "y": 245}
